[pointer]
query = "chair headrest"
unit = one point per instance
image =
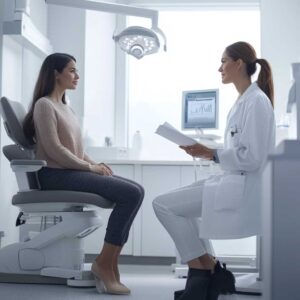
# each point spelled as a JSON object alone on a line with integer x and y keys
{"x": 13, "y": 114}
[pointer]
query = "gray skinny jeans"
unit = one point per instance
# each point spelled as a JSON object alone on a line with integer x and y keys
{"x": 126, "y": 194}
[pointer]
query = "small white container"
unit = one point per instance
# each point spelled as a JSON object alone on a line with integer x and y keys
{"x": 282, "y": 129}
{"x": 137, "y": 144}
{"x": 1, "y": 236}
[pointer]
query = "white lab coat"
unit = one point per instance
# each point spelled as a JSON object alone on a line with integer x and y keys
{"x": 231, "y": 203}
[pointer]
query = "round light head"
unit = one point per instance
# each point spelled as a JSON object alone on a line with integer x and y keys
{"x": 138, "y": 41}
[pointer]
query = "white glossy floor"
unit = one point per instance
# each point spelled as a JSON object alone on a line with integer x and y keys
{"x": 146, "y": 283}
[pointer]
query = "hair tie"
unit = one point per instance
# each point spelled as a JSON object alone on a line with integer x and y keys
{"x": 251, "y": 67}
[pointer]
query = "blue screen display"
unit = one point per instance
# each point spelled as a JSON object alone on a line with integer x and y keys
{"x": 200, "y": 109}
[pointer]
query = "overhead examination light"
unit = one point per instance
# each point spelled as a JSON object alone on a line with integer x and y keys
{"x": 138, "y": 41}
{"x": 135, "y": 40}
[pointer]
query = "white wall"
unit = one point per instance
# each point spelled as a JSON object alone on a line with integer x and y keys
{"x": 280, "y": 24}
{"x": 38, "y": 15}
{"x": 1, "y": 46}
{"x": 88, "y": 37}
{"x": 31, "y": 64}
{"x": 99, "y": 81}
{"x": 11, "y": 88}
{"x": 66, "y": 32}
{"x": 19, "y": 67}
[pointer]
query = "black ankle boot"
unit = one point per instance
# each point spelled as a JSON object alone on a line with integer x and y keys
{"x": 222, "y": 282}
{"x": 196, "y": 287}
{"x": 177, "y": 294}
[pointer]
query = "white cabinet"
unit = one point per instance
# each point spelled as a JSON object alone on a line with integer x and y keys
{"x": 147, "y": 236}
{"x": 157, "y": 180}
{"x": 281, "y": 223}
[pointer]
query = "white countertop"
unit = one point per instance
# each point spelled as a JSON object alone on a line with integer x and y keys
{"x": 123, "y": 156}
{"x": 154, "y": 162}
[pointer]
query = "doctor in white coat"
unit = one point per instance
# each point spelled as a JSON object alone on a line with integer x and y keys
{"x": 230, "y": 204}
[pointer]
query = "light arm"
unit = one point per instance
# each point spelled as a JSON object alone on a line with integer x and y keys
{"x": 110, "y": 7}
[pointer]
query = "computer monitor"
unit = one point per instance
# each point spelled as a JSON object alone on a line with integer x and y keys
{"x": 200, "y": 109}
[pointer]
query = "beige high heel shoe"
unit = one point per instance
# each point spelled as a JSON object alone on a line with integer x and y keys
{"x": 118, "y": 280}
{"x": 108, "y": 287}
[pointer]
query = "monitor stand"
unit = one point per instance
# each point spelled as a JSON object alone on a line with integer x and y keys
{"x": 199, "y": 132}
{"x": 200, "y": 135}
{"x": 208, "y": 140}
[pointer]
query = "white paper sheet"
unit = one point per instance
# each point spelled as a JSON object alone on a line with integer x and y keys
{"x": 169, "y": 132}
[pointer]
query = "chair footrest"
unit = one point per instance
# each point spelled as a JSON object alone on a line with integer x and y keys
{"x": 30, "y": 278}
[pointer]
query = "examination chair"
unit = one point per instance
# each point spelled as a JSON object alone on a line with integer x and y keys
{"x": 52, "y": 223}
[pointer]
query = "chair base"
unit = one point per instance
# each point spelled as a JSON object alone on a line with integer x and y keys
{"x": 180, "y": 270}
{"x": 54, "y": 255}
{"x": 31, "y": 279}
{"x": 86, "y": 278}
{"x": 248, "y": 284}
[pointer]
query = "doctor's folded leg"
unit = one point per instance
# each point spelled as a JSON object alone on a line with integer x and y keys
{"x": 229, "y": 205}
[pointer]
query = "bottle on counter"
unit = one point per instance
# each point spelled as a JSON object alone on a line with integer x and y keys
{"x": 282, "y": 129}
{"x": 137, "y": 144}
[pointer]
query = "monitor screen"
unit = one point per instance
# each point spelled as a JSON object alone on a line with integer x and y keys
{"x": 200, "y": 109}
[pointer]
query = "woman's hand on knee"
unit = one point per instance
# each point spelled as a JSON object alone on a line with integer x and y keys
{"x": 102, "y": 169}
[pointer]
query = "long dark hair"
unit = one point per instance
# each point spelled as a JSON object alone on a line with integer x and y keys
{"x": 44, "y": 86}
{"x": 245, "y": 52}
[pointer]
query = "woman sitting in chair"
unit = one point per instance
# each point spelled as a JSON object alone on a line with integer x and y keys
{"x": 53, "y": 127}
{"x": 229, "y": 204}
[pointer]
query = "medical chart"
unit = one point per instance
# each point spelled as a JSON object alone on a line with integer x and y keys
{"x": 169, "y": 132}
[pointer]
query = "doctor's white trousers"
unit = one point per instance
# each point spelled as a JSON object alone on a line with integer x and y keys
{"x": 179, "y": 212}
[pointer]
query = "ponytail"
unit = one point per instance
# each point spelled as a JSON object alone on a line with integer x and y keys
{"x": 265, "y": 79}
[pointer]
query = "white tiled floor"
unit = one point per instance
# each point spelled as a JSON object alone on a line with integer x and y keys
{"x": 145, "y": 282}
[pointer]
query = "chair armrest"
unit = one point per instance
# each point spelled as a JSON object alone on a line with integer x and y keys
{"x": 27, "y": 165}
{"x": 22, "y": 167}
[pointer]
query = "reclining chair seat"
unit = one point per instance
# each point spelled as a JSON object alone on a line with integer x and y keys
{"x": 57, "y": 201}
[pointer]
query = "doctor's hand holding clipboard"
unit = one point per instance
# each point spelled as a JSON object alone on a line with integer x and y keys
{"x": 190, "y": 145}
{"x": 199, "y": 150}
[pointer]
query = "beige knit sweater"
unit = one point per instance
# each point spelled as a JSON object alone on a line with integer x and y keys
{"x": 58, "y": 136}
